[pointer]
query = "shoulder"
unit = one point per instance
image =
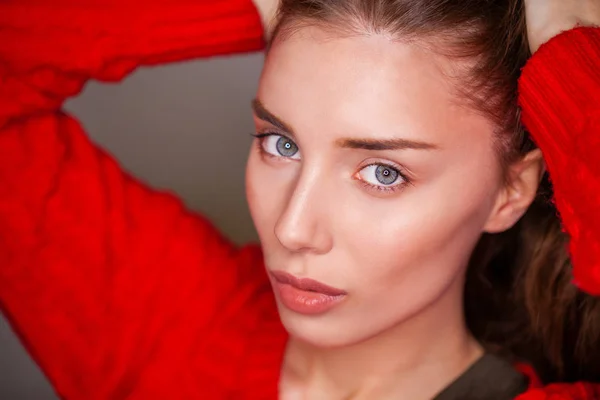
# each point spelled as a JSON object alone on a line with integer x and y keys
{"x": 564, "y": 391}
{"x": 556, "y": 391}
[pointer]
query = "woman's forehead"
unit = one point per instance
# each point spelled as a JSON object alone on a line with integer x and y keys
{"x": 364, "y": 83}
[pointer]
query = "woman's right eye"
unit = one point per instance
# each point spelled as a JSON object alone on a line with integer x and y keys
{"x": 278, "y": 146}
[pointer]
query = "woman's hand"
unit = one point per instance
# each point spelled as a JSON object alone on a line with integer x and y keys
{"x": 548, "y": 18}
{"x": 267, "y": 10}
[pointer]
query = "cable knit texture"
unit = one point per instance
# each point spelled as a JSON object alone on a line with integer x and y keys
{"x": 118, "y": 291}
{"x": 560, "y": 97}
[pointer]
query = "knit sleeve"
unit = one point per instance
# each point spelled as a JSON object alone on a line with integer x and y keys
{"x": 116, "y": 290}
{"x": 50, "y": 49}
{"x": 560, "y": 99}
{"x": 563, "y": 391}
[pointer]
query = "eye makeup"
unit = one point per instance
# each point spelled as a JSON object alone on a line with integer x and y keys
{"x": 382, "y": 177}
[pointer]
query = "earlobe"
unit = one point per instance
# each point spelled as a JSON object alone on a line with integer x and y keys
{"x": 523, "y": 178}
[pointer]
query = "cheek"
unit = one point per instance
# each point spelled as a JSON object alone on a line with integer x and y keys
{"x": 395, "y": 258}
{"x": 405, "y": 255}
{"x": 407, "y": 252}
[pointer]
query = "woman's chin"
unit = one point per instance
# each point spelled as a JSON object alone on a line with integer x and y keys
{"x": 324, "y": 330}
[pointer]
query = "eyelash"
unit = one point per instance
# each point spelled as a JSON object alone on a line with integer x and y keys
{"x": 259, "y": 143}
{"x": 379, "y": 188}
{"x": 404, "y": 181}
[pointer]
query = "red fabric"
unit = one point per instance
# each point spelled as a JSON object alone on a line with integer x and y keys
{"x": 116, "y": 289}
{"x": 575, "y": 391}
{"x": 530, "y": 373}
{"x": 560, "y": 97}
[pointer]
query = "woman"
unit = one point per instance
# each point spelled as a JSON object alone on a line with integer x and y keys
{"x": 388, "y": 159}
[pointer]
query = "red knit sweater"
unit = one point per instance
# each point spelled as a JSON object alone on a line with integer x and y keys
{"x": 120, "y": 292}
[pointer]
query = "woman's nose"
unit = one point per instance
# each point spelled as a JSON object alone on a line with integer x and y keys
{"x": 303, "y": 226}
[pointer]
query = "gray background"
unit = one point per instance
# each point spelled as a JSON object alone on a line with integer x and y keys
{"x": 185, "y": 127}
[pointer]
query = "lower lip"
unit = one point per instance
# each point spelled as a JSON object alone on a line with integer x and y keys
{"x": 305, "y": 302}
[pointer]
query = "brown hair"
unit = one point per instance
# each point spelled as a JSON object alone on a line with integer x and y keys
{"x": 519, "y": 300}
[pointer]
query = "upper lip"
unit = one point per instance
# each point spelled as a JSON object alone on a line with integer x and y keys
{"x": 306, "y": 284}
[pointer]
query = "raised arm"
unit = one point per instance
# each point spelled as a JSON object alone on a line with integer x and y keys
{"x": 115, "y": 289}
{"x": 49, "y": 49}
{"x": 560, "y": 98}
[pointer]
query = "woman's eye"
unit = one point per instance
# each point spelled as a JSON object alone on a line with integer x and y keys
{"x": 380, "y": 175}
{"x": 280, "y": 146}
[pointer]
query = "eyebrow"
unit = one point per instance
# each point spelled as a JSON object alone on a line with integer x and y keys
{"x": 349, "y": 143}
{"x": 265, "y": 115}
{"x": 385, "y": 144}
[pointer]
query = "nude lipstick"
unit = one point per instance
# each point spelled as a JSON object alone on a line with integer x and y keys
{"x": 305, "y": 296}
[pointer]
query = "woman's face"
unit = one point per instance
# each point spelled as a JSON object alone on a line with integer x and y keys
{"x": 372, "y": 179}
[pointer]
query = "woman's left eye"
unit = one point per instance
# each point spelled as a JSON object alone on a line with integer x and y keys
{"x": 279, "y": 146}
{"x": 381, "y": 176}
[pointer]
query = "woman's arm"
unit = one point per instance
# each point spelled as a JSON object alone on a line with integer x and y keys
{"x": 560, "y": 98}
{"x": 115, "y": 289}
{"x": 50, "y": 49}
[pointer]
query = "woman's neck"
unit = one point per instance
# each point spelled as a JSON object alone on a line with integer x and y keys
{"x": 414, "y": 360}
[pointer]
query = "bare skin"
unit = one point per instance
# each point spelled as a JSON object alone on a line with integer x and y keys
{"x": 267, "y": 10}
{"x": 398, "y": 249}
{"x": 402, "y": 318}
{"x": 548, "y": 18}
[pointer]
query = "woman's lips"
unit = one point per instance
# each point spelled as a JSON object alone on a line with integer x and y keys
{"x": 305, "y": 296}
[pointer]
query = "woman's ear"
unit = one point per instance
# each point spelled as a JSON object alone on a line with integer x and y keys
{"x": 514, "y": 198}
